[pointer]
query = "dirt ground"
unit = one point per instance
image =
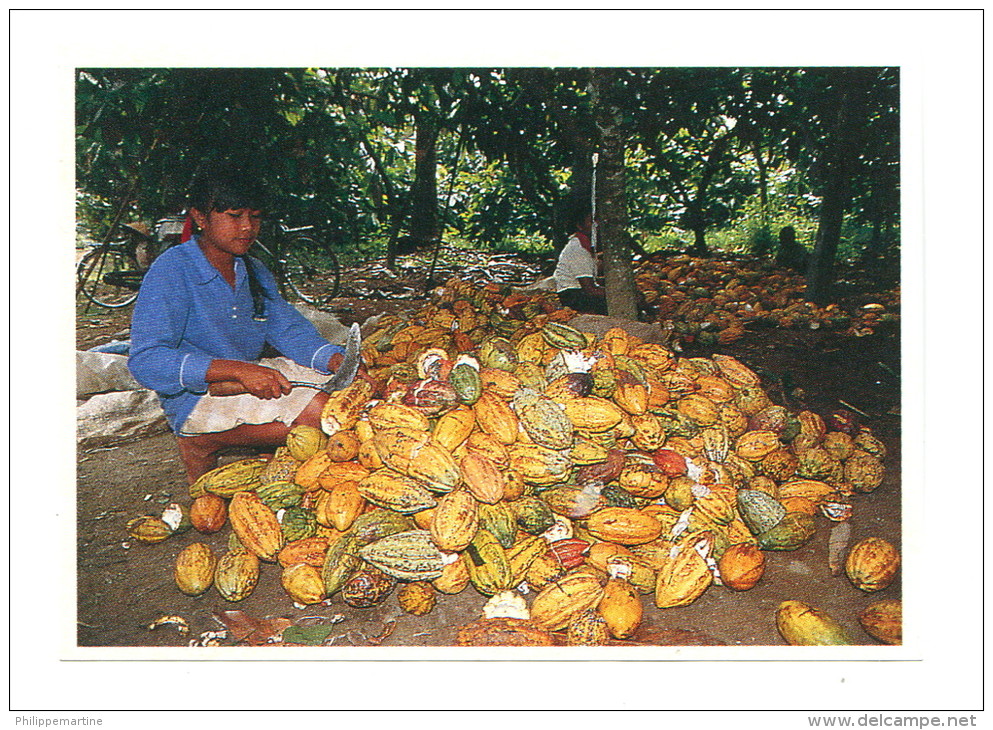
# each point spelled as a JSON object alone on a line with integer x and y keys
{"x": 123, "y": 587}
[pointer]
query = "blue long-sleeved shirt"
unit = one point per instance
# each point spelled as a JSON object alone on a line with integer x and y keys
{"x": 187, "y": 315}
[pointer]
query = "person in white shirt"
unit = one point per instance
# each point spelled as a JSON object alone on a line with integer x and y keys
{"x": 575, "y": 273}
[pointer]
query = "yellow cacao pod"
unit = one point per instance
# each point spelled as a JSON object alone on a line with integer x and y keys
{"x": 435, "y": 467}
{"x": 682, "y": 579}
{"x": 342, "y": 409}
{"x": 303, "y": 583}
{"x": 630, "y": 394}
{"x": 302, "y": 442}
{"x": 538, "y": 465}
{"x": 803, "y": 625}
{"x": 194, "y": 570}
{"x": 754, "y": 445}
{"x": 395, "y": 491}
{"x": 735, "y": 372}
{"x": 397, "y": 446}
{"x": 486, "y": 445}
{"x": 417, "y": 598}
{"x": 225, "y": 480}
{"x": 148, "y": 529}
{"x": 559, "y": 601}
{"x": 343, "y": 446}
{"x": 501, "y": 383}
{"x": 309, "y": 474}
{"x": 615, "y": 341}
{"x": 593, "y": 414}
{"x": 715, "y": 388}
{"x": 487, "y": 563}
{"x": 700, "y": 410}
{"x": 395, "y": 415}
{"x": 587, "y": 628}
{"x": 620, "y": 604}
{"x": 342, "y": 506}
{"x": 648, "y": 433}
{"x": 453, "y": 579}
{"x": 495, "y": 417}
{"x": 454, "y": 427}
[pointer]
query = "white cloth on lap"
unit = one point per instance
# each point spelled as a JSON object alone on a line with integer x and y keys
{"x": 215, "y": 413}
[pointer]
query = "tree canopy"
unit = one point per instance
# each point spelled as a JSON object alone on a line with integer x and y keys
{"x": 711, "y": 157}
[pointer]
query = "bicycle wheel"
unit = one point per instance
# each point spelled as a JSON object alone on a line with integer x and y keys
{"x": 312, "y": 272}
{"x": 108, "y": 277}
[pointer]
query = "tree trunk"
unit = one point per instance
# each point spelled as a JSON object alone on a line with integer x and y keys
{"x": 840, "y": 161}
{"x": 699, "y": 247}
{"x": 424, "y": 193}
{"x": 820, "y": 270}
{"x": 611, "y": 203}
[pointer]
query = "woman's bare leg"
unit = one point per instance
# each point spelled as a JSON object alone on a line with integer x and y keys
{"x": 199, "y": 453}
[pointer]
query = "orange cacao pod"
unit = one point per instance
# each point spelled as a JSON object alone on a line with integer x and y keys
{"x": 883, "y": 620}
{"x": 417, "y": 598}
{"x": 482, "y": 478}
{"x": 753, "y": 445}
{"x": 208, "y": 513}
{"x": 455, "y": 521}
{"x": 872, "y": 564}
{"x": 255, "y": 525}
{"x": 343, "y": 446}
{"x": 741, "y": 566}
{"x": 624, "y": 525}
{"x": 309, "y": 550}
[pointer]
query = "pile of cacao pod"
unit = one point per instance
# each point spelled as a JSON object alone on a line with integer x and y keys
{"x": 711, "y": 301}
{"x": 508, "y": 453}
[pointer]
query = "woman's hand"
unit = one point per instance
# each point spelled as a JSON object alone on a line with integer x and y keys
{"x": 260, "y": 381}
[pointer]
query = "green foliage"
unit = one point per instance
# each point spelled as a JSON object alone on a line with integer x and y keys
{"x": 514, "y": 146}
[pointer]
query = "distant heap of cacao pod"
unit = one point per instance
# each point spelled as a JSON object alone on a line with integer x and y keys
{"x": 711, "y": 300}
{"x": 496, "y": 447}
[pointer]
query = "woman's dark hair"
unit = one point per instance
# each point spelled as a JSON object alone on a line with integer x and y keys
{"x": 227, "y": 186}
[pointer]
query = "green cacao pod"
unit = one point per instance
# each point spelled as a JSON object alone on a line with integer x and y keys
{"x": 794, "y": 530}
{"x": 298, "y": 523}
{"x": 341, "y": 562}
{"x": 236, "y": 575}
{"x": 489, "y": 569}
{"x": 405, "y": 555}
{"x": 280, "y": 495}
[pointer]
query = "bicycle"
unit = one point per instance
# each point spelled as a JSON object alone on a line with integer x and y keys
{"x": 110, "y": 274}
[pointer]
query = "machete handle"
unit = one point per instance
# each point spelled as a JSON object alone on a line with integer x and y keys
{"x": 226, "y": 387}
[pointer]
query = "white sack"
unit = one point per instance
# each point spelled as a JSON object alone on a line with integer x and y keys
{"x": 102, "y": 372}
{"x": 109, "y": 418}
